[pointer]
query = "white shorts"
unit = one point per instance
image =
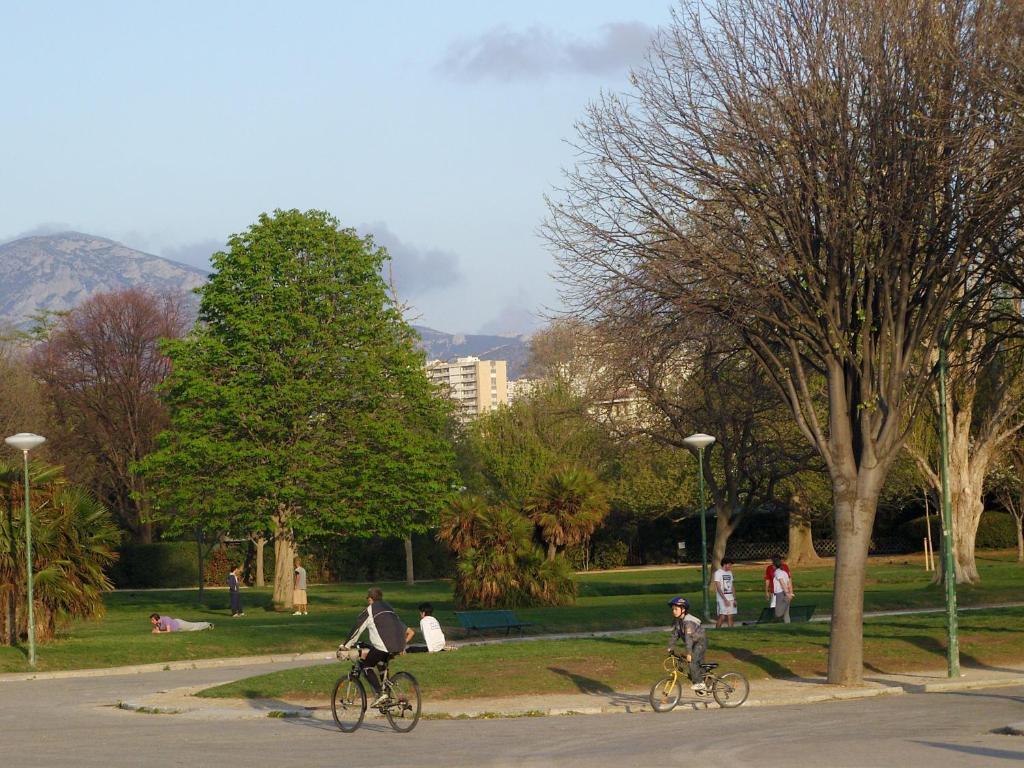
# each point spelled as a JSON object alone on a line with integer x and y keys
{"x": 726, "y": 610}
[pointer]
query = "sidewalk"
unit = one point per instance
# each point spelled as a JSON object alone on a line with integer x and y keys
{"x": 769, "y": 692}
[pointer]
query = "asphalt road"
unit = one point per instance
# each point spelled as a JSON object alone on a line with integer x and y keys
{"x": 74, "y": 722}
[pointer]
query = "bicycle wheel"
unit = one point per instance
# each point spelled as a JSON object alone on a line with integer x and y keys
{"x": 403, "y": 711}
{"x": 348, "y": 703}
{"x": 730, "y": 690}
{"x": 665, "y": 694}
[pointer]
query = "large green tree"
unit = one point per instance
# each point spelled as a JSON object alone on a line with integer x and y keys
{"x": 299, "y": 404}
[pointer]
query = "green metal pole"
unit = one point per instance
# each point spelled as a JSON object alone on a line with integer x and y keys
{"x": 948, "y": 571}
{"x": 703, "y": 536}
{"x": 28, "y": 569}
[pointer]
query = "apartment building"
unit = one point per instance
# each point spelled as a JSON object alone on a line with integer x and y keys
{"x": 476, "y": 385}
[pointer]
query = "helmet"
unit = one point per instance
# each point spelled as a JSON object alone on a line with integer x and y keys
{"x": 682, "y": 602}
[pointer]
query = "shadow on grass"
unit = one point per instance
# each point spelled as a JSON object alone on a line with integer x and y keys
{"x": 764, "y": 663}
{"x": 592, "y": 687}
{"x": 935, "y": 647}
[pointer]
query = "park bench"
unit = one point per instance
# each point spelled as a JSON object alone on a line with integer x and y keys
{"x": 478, "y": 621}
{"x": 796, "y": 613}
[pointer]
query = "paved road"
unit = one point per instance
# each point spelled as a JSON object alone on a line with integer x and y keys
{"x": 74, "y": 722}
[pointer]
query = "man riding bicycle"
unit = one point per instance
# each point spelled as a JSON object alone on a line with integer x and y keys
{"x": 387, "y": 638}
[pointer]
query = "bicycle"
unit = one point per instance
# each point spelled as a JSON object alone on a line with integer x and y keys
{"x": 348, "y": 699}
{"x": 729, "y": 689}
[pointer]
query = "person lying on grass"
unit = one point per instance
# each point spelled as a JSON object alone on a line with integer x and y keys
{"x": 163, "y": 624}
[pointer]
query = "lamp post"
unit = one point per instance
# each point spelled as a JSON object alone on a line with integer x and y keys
{"x": 699, "y": 442}
{"x": 25, "y": 442}
{"x": 948, "y": 569}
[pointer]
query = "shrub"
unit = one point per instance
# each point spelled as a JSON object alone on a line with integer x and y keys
{"x": 610, "y": 554}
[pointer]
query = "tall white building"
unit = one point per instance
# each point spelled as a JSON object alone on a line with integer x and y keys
{"x": 476, "y": 385}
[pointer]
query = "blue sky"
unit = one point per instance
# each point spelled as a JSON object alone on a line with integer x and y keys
{"x": 436, "y": 126}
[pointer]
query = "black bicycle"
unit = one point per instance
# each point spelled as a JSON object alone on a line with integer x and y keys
{"x": 729, "y": 689}
{"x": 401, "y": 703}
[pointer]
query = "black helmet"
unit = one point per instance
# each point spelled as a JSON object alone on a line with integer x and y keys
{"x": 682, "y": 602}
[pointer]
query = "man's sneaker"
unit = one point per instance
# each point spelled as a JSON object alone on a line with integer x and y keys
{"x": 242, "y": 613}
{"x": 382, "y": 699}
{"x": 297, "y": 613}
{"x": 700, "y": 687}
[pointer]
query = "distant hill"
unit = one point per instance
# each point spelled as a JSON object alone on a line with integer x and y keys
{"x": 57, "y": 272}
{"x": 448, "y": 346}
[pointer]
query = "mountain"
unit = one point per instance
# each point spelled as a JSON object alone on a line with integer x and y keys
{"x": 448, "y": 346}
{"x": 57, "y": 272}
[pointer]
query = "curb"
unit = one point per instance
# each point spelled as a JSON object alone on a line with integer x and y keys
{"x": 177, "y": 703}
{"x": 169, "y": 666}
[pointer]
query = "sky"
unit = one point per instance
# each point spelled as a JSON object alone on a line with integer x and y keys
{"x": 436, "y": 127}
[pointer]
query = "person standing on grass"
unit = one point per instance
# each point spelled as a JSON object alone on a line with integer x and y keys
{"x": 725, "y": 593}
{"x": 299, "y": 599}
{"x": 769, "y": 578}
{"x": 782, "y": 587}
{"x": 235, "y": 590}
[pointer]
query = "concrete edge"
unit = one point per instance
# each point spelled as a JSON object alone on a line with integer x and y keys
{"x": 169, "y": 666}
{"x": 959, "y": 685}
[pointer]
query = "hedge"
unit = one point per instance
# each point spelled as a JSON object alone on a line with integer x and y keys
{"x": 145, "y": 566}
{"x": 997, "y": 530}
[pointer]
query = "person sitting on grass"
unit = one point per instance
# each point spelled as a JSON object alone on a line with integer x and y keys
{"x": 687, "y": 627}
{"x": 167, "y": 624}
{"x": 431, "y": 631}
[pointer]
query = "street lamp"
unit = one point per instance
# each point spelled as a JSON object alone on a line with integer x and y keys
{"x": 948, "y": 569}
{"x": 699, "y": 442}
{"x": 25, "y": 442}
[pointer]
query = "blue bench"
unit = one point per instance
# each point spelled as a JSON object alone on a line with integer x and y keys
{"x": 478, "y": 621}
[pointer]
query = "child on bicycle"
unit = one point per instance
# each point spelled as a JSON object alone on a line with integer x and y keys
{"x": 687, "y": 627}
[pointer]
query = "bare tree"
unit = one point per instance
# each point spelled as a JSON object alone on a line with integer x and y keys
{"x": 1006, "y": 481}
{"x": 828, "y": 177}
{"x": 698, "y": 377}
{"x": 985, "y": 396}
{"x": 101, "y": 365}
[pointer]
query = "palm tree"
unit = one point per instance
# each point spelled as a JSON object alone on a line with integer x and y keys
{"x": 567, "y": 506}
{"x": 459, "y": 521}
{"x": 74, "y": 537}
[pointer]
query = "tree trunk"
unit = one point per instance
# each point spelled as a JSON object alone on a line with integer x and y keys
{"x": 409, "y": 576}
{"x": 724, "y": 526}
{"x": 1020, "y": 537}
{"x": 855, "y": 498}
{"x": 801, "y": 542}
{"x": 284, "y": 562}
{"x": 200, "y": 558}
{"x": 260, "y": 579}
{"x": 966, "y": 490}
{"x": 552, "y": 550}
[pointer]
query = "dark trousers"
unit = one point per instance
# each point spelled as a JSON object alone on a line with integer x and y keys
{"x": 373, "y": 658}
{"x": 236, "y": 602}
{"x": 696, "y": 659}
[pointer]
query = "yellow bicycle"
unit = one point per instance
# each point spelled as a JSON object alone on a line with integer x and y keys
{"x": 730, "y": 689}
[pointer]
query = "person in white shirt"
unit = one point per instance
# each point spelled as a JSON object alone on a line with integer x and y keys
{"x": 725, "y": 593}
{"x": 782, "y": 586}
{"x": 430, "y": 628}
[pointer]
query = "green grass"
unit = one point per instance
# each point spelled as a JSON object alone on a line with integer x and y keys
{"x": 608, "y": 665}
{"x": 610, "y": 600}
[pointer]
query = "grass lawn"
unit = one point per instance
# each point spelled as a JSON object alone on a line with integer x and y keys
{"x": 609, "y": 600}
{"x": 606, "y": 665}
